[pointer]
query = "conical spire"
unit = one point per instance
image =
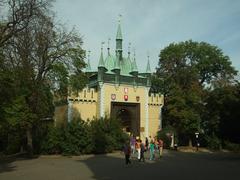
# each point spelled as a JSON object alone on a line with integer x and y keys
{"x": 148, "y": 70}
{"x": 134, "y": 64}
{"x": 88, "y": 67}
{"x": 101, "y": 61}
{"x": 119, "y": 32}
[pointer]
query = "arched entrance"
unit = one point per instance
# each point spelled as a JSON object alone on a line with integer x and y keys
{"x": 124, "y": 115}
{"x": 129, "y": 116}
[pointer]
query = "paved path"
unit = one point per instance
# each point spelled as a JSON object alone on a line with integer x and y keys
{"x": 174, "y": 165}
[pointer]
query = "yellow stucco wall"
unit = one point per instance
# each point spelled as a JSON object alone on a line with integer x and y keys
{"x": 132, "y": 92}
{"x": 86, "y": 110}
{"x": 155, "y": 103}
{"x": 87, "y": 104}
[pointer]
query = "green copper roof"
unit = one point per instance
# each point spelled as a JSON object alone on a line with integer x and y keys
{"x": 116, "y": 62}
{"x": 125, "y": 66}
{"x": 109, "y": 63}
{"x": 134, "y": 65}
{"x": 148, "y": 70}
{"x": 119, "y": 32}
{"x": 101, "y": 62}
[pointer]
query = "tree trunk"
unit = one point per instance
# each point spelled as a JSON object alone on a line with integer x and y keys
{"x": 29, "y": 142}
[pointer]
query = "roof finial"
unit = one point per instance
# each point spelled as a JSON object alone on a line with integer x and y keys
{"x": 108, "y": 48}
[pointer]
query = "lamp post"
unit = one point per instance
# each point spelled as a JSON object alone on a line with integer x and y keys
{"x": 196, "y": 134}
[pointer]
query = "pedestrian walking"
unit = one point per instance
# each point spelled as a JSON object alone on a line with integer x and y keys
{"x": 127, "y": 152}
{"x": 152, "y": 148}
{"x": 146, "y": 143}
{"x": 138, "y": 148}
{"x": 160, "y": 145}
{"x": 132, "y": 144}
{"x": 142, "y": 151}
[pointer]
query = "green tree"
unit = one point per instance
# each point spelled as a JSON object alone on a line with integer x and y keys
{"x": 186, "y": 70}
{"x": 31, "y": 58}
{"x": 222, "y": 117}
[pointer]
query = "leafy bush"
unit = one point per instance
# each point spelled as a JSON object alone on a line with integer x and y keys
{"x": 107, "y": 135}
{"x": 213, "y": 142}
{"x": 165, "y": 135}
{"x": 81, "y": 137}
{"x": 52, "y": 144}
{"x": 231, "y": 146}
{"x": 78, "y": 138}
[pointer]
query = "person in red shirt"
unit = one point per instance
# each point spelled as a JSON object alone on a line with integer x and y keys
{"x": 160, "y": 146}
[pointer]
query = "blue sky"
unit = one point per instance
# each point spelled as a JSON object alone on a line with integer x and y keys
{"x": 151, "y": 25}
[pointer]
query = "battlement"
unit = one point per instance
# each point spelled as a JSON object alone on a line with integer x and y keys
{"x": 156, "y": 99}
{"x": 87, "y": 95}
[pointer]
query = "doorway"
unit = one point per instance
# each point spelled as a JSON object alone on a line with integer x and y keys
{"x": 129, "y": 116}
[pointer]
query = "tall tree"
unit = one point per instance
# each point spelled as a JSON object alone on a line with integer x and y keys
{"x": 37, "y": 54}
{"x": 186, "y": 70}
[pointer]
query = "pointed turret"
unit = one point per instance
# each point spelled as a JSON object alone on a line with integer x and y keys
{"x": 148, "y": 73}
{"x": 134, "y": 64}
{"x": 148, "y": 69}
{"x": 101, "y": 65}
{"x": 101, "y": 61}
{"x": 119, "y": 40}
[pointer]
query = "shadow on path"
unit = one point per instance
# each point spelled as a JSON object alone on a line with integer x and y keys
{"x": 6, "y": 163}
{"x": 172, "y": 166}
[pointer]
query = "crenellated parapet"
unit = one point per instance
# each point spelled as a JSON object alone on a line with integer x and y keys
{"x": 156, "y": 99}
{"x": 85, "y": 95}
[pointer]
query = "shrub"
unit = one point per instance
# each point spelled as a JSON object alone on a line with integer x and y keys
{"x": 107, "y": 135}
{"x": 231, "y": 146}
{"x": 52, "y": 143}
{"x": 165, "y": 135}
{"x": 213, "y": 142}
{"x": 80, "y": 137}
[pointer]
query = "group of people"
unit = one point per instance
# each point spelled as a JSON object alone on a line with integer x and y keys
{"x": 137, "y": 146}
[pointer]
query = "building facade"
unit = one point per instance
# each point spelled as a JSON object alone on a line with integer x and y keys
{"x": 117, "y": 89}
